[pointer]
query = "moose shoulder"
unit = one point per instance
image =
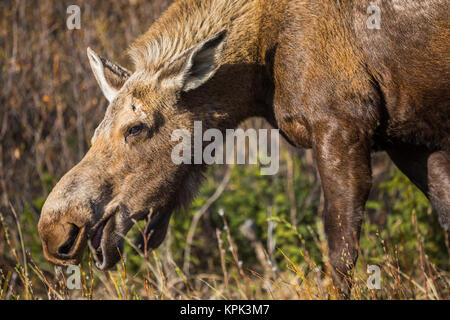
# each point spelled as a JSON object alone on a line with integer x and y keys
{"x": 313, "y": 69}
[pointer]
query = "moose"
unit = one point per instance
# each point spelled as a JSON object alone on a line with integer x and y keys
{"x": 312, "y": 69}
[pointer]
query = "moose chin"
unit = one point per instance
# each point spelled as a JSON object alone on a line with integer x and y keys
{"x": 312, "y": 69}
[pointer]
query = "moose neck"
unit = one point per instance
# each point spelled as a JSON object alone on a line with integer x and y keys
{"x": 188, "y": 22}
{"x": 242, "y": 87}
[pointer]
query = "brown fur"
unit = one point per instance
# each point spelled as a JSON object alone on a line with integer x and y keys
{"x": 311, "y": 68}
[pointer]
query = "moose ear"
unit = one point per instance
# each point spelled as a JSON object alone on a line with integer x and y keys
{"x": 196, "y": 65}
{"x": 110, "y": 76}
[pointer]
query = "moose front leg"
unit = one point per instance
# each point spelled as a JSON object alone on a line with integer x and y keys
{"x": 343, "y": 160}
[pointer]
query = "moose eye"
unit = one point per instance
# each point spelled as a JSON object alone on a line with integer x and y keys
{"x": 134, "y": 131}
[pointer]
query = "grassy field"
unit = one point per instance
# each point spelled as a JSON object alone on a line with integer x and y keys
{"x": 245, "y": 236}
{"x": 157, "y": 275}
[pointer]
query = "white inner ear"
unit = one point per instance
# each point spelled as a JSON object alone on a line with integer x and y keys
{"x": 200, "y": 69}
{"x": 97, "y": 67}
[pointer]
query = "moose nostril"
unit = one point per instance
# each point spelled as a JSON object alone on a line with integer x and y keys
{"x": 67, "y": 246}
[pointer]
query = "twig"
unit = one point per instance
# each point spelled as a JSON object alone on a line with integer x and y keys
{"x": 197, "y": 216}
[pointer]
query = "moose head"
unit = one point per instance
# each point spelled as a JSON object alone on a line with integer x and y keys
{"x": 128, "y": 173}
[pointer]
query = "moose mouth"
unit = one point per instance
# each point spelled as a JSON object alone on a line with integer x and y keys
{"x": 97, "y": 242}
{"x": 106, "y": 241}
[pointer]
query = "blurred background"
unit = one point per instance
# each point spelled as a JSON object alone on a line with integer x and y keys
{"x": 245, "y": 236}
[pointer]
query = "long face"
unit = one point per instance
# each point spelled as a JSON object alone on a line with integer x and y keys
{"x": 128, "y": 173}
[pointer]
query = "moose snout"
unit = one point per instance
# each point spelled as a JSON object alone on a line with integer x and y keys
{"x": 62, "y": 242}
{"x": 68, "y": 216}
{"x": 63, "y": 227}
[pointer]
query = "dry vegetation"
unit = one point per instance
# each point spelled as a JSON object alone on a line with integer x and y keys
{"x": 268, "y": 244}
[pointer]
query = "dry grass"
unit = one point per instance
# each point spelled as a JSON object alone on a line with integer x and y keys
{"x": 160, "y": 278}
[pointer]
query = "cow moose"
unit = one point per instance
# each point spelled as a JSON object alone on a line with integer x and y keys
{"x": 312, "y": 69}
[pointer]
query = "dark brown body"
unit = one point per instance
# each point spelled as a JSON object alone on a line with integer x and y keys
{"x": 313, "y": 69}
{"x": 346, "y": 90}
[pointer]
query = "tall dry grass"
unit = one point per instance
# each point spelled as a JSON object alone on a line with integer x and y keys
{"x": 160, "y": 278}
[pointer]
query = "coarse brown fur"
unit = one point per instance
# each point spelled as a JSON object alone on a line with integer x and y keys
{"x": 313, "y": 69}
